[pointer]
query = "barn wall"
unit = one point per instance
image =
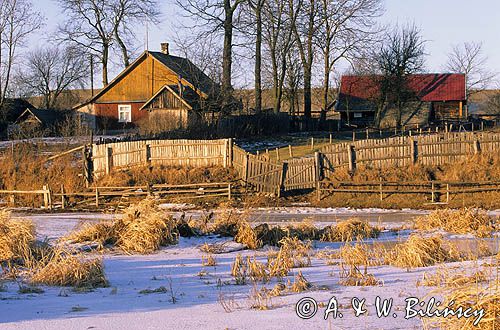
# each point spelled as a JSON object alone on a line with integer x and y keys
{"x": 107, "y": 115}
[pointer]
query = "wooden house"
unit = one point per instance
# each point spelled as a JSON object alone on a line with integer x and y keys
{"x": 435, "y": 97}
{"x": 39, "y": 122}
{"x": 156, "y": 82}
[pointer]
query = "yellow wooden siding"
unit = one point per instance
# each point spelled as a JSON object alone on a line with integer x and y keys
{"x": 141, "y": 83}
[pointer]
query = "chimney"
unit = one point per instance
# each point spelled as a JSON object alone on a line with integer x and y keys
{"x": 164, "y": 48}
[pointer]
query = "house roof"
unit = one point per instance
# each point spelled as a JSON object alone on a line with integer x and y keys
{"x": 358, "y": 92}
{"x": 45, "y": 117}
{"x": 187, "y": 71}
{"x": 189, "y": 97}
{"x": 13, "y": 108}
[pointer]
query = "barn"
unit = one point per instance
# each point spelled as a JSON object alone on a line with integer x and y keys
{"x": 435, "y": 97}
{"x": 156, "y": 82}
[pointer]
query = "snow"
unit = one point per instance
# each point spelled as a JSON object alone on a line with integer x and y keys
{"x": 178, "y": 268}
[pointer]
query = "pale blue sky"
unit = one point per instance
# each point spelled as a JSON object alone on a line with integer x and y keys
{"x": 443, "y": 23}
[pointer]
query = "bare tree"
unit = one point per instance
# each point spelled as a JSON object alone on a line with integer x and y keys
{"x": 304, "y": 30}
{"x": 257, "y": 7}
{"x": 278, "y": 36}
{"x": 97, "y": 24}
{"x": 400, "y": 56}
{"x": 51, "y": 70}
{"x": 18, "y": 20}
{"x": 346, "y": 32}
{"x": 219, "y": 16}
{"x": 468, "y": 58}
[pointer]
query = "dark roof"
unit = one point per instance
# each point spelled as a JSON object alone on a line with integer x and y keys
{"x": 13, "y": 108}
{"x": 46, "y": 117}
{"x": 188, "y": 95}
{"x": 187, "y": 70}
{"x": 359, "y": 92}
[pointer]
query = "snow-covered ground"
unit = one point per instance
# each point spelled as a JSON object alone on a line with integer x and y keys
{"x": 202, "y": 292}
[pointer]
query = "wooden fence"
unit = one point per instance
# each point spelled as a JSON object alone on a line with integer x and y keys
{"x": 402, "y": 151}
{"x": 438, "y": 191}
{"x": 101, "y": 196}
{"x": 192, "y": 153}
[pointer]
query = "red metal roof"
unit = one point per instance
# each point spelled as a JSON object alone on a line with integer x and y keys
{"x": 434, "y": 87}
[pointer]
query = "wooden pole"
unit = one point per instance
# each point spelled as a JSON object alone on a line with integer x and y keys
{"x": 312, "y": 143}
{"x": 353, "y": 135}
{"x": 477, "y": 147}
{"x": 231, "y": 152}
{"x": 45, "y": 197}
{"x": 352, "y": 158}
{"x": 367, "y": 134}
{"x": 331, "y": 138}
{"x": 447, "y": 193}
{"x": 147, "y": 154}
{"x": 381, "y": 191}
{"x": 63, "y": 198}
{"x": 108, "y": 159}
{"x": 225, "y": 154}
{"x": 413, "y": 151}
{"x": 290, "y": 150}
{"x": 432, "y": 192}
{"x": 229, "y": 191}
{"x": 245, "y": 168}
{"x": 96, "y": 197}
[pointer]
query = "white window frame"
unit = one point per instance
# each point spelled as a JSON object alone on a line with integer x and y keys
{"x": 358, "y": 115}
{"x": 127, "y": 110}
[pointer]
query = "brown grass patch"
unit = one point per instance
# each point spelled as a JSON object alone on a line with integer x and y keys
{"x": 144, "y": 228}
{"x": 66, "y": 269}
{"x": 419, "y": 251}
{"x": 16, "y": 239}
{"x": 208, "y": 260}
{"x": 246, "y": 235}
{"x": 300, "y": 284}
{"x": 239, "y": 270}
{"x": 354, "y": 277}
{"x": 445, "y": 277}
{"x": 349, "y": 230}
{"x": 462, "y": 221}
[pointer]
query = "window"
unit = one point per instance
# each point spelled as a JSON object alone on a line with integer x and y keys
{"x": 358, "y": 115}
{"x": 124, "y": 113}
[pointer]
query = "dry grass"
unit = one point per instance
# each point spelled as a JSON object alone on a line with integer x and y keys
{"x": 445, "y": 277}
{"x": 66, "y": 269}
{"x": 257, "y": 270}
{"x": 260, "y": 299}
{"x": 16, "y": 239}
{"x": 226, "y": 224}
{"x": 349, "y": 230}
{"x": 239, "y": 270}
{"x": 354, "y": 277}
{"x": 462, "y": 221}
{"x": 208, "y": 261}
{"x": 419, "y": 251}
{"x": 144, "y": 228}
{"x": 246, "y": 235}
{"x": 477, "y": 298}
{"x": 300, "y": 284}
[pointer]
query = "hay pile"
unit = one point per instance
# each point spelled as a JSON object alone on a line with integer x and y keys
{"x": 144, "y": 228}
{"x": 16, "y": 239}
{"x": 477, "y": 298}
{"x": 419, "y": 251}
{"x": 65, "y": 269}
{"x": 349, "y": 230}
{"x": 246, "y": 235}
{"x": 462, "y": 221}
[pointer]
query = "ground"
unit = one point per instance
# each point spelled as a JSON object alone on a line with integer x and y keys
{"x": 205, "y": 297}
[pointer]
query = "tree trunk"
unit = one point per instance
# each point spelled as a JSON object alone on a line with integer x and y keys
{"x": 123, "y": 48}
{"x": 258, "y": 57}
{"x": 307, "y": 91}
{"x": 326, "y": 84}
{"x": 104, "y": 61}
{"x": 227, "y": 56}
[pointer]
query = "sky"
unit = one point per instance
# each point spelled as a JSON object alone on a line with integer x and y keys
{"x": 443, "y": 23}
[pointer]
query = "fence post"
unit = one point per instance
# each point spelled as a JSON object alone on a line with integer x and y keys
{"x": 381, "y": 191}
{"x": 88, "y": 165}
{"x": 367, "y": 134}
{"x": 317, "y": 166}
{"x": 477, "y": 147}
{"x": 278, "y": 154}
{"x": 45, "y": 197}
{"x": 229, "y": 191}
{"x": 318, "y": 190}
{"x": 63, "y": 198}
{"x": 331, "y": 138}
{"x": 109, "y": 159}
{"x": 447, "y": 193}
{"x": 351, "y": 155}
{"x": 225, "y": 154}
{"x": 290, "y": 150}
{"x": 432, "y": 192}
{"x": 312, "y": 143}
{"x": 281, "y": 185}
{"x": 245, "y": 168}
{"x": 96, "y": 197}
{"x": 147, "y": 154}
{"x": 413, "y": 151}
{"x": 230, "y": 153}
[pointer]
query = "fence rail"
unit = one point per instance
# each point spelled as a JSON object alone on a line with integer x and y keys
{"x": 435, "y": 189}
